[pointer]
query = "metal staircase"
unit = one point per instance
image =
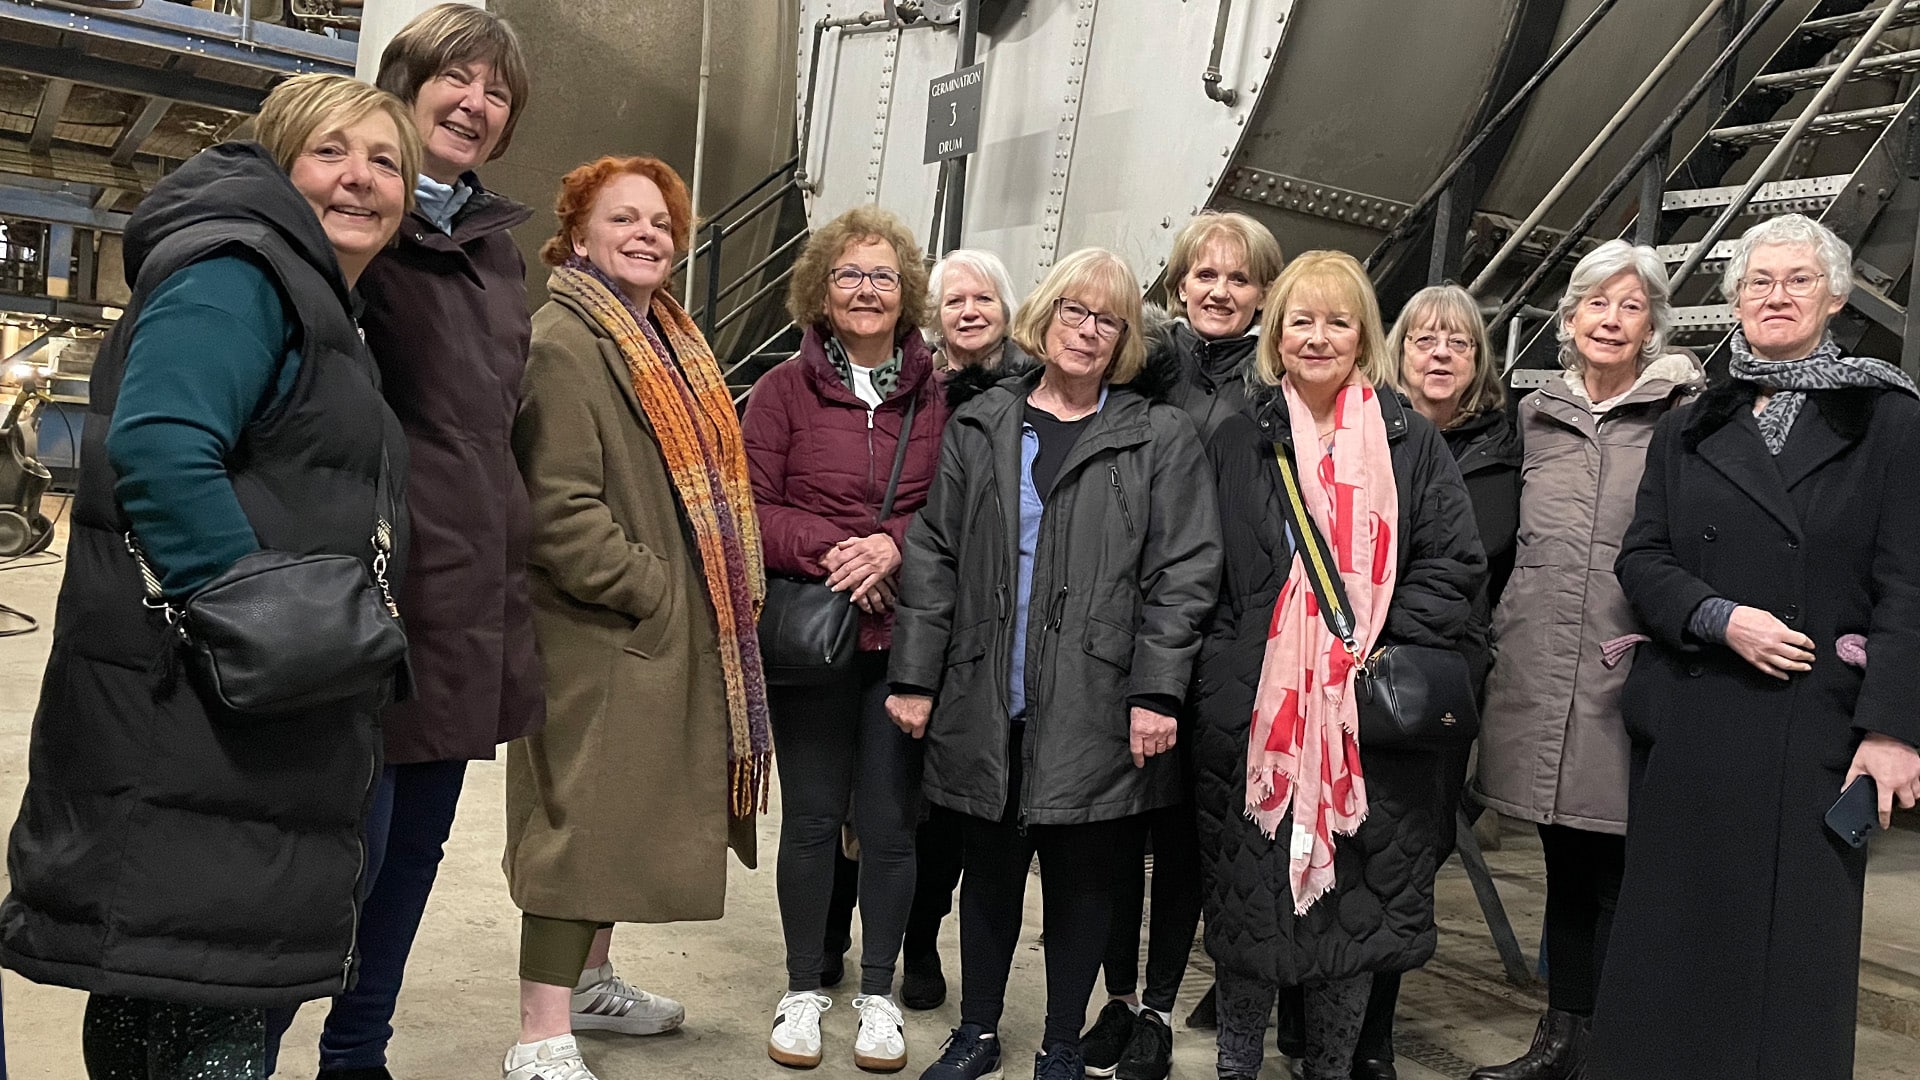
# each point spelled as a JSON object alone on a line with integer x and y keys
{"x": 1835, "y": 101}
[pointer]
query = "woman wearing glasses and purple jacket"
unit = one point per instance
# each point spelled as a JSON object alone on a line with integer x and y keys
{"x": 821, "y": 431}
{"x": 1049, "y": 614}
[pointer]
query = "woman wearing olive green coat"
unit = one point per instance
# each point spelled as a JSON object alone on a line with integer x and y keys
{"x": 624, "y": 627}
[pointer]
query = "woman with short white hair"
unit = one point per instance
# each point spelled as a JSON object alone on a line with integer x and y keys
{"x": 1552, "y": 748}
{"x": 973, "y": 298}
{"x": 1772, "y": 553}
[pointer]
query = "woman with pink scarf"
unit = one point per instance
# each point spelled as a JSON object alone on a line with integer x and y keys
{"x": 1320, "y": 852}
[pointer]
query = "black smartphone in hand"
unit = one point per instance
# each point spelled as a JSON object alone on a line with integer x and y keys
{"x": 1857, "y": 813}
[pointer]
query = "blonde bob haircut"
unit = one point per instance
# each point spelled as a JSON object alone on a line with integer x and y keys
{"x": 807, "y": 288}
{"x": 1334, "y": 279}
{"x": 450, "y": 35}
{"x": 1450, "y": 309}
{"x": 1100, "y": 280}
{"x": 306, "y": 105}
{"x": 1257, "y": 247}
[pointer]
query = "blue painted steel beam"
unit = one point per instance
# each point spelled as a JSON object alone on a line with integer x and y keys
{"x": 56, "y": 209}
{"x": 76, "y": 66}
{"x": 186, "y": 29}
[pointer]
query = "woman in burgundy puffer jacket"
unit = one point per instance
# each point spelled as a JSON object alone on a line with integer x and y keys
{"x": 821, "y": 431}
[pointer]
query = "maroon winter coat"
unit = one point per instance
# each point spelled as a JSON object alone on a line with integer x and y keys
{"x": 819, "y": 472}
{"x": 446, "y": 317}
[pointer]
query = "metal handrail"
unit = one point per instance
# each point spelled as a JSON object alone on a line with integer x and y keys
{"x": 1785, "y": 146}
{"x": 746, "y": 305}
{"x": 1607, "y": 132}
{"x": 747, "y": 274}
{"x": 791, "y": 164}
{"x": 1426, "y": 202}
{"x": 1654, "y": 143}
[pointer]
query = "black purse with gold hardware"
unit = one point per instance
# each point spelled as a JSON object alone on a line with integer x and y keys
{"x": 1407, "y": 694}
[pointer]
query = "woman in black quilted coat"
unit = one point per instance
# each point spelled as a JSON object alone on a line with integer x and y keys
{"x": 1378, "y": 915}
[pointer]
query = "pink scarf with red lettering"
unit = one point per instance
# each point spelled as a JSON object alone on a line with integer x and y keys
{"x": 1303, "y": 752}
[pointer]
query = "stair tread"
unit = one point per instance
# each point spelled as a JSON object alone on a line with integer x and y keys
{"x": 1677, "y": 253}
{"x": 1705, "y": 317}
{"x": 1837, "y": 26}
{"x": 1825, "y": 124}
{"x": 1811, "y": 188}
{"x": 1872, "y": 67}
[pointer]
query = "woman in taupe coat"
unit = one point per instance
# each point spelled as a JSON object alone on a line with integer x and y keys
{"x": 1553, "y": 750}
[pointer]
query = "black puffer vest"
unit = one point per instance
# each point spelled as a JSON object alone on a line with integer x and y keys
{"x": 165, "y": 850}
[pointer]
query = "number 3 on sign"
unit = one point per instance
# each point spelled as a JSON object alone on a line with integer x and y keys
{"x": 954, "y": 119}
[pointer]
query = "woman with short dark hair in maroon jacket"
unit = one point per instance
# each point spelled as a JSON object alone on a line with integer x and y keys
{"x": 821, "y": 431}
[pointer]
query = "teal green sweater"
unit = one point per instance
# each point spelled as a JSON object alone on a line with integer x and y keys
{"x": 213, "y": 349}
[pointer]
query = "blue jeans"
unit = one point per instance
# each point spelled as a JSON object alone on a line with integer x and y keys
{"x": 407, "y": 832}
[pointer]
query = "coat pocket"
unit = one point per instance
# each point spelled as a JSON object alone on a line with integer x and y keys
{"x": 1105, "y": 641}
{"x": 649, "y": 639}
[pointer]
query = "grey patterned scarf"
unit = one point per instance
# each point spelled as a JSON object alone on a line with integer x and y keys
{"x": 1825, "y": 369}
{"x": 886, "y": 377}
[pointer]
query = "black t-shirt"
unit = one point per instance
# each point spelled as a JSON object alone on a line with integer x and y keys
{"x": 1057, "y": 437}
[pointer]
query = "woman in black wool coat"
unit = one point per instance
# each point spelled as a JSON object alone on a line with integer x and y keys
{"x": 1777, "y": 517}
{"x": 1378, "y": 914}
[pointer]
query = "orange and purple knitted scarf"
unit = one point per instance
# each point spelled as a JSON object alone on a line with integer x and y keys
{"x": 691, "y": 411}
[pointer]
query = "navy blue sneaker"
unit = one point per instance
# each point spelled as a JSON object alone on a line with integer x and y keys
{"x": 1059, "y": 1063}
{"x": 970, "y": 1053}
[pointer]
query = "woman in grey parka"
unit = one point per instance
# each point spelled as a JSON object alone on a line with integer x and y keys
{"x": 1553, "y": 750}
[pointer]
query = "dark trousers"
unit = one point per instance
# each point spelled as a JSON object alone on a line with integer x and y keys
{"x": 1583, "y": 888}
{"x": 132, "y": 1039}
{"x": 938, "y": 860}
{"x": 406, "y": 836}
{"x": 1331, "y": 1013}
{"x": 835, "y": 746}
{"x": 1176, "y": 907}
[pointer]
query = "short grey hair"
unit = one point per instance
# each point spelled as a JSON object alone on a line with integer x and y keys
{"x": 1600, "y": 265}
{"x": 1836, "y": 258}
{"x": 984, "y": 265}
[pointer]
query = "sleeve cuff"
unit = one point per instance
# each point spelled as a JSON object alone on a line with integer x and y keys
{"x": 1708, "y": 623}
{"x": 1164, "y": 704}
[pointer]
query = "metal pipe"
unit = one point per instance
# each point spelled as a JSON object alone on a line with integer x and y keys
{"x": 1659, "y": 138}
{"x": 700, "y": 121}
{"x": 1784, "y": 147}
{"x": 747, "y": 276}
{"x": 955, "y": 206}
{"x": 1579, "y": 166}
{"x": 772, "y": 197}
{"x": 1426, "y": 201}
{"x": 246, "y": 22}
{"x": 865, "y": 20}
{"x": 743, "y": 306}
{"x": 1210, "y": 79}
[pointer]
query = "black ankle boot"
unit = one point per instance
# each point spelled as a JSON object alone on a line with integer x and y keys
{"x": 1559, "y": 1052}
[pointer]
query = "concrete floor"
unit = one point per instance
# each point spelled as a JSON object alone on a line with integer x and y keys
{"x": 458, "y": 1013}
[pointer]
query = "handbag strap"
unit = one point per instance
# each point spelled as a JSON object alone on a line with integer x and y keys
{"x": 899, "y": 459}
{"x": 1334, "y": 609}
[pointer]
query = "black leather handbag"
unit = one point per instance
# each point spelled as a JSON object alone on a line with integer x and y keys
{"x": 278, "y": 633}
{"x": 808, "y": 632}
{"x": 1406, "y": 694}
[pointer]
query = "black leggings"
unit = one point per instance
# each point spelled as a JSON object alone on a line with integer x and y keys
{"x": 133, "y": 1039}
{"x": 1176, "y": 908}
{"x": 835, "y": 747}
{"x": 1334, "y": 1012}
{"x": 1583, "y": 887}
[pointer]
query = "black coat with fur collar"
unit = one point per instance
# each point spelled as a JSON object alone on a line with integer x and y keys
{"x": 1737, "y": 900}
{"x": 1126, "y": 569}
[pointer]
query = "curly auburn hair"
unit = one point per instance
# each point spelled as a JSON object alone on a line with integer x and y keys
{"x": 807, "y": 290}
{"x": 580, "y": 187}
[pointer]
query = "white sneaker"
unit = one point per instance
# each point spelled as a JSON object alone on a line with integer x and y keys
{"x": 557, "y": 1058}
{"x": 603, "y": 1001}
{"x": 882, "y": 1043}
{"x": 796, "y": 1029}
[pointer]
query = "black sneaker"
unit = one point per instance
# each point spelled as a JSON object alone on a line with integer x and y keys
{"x": 1149, "y": 1053}
{"x": 922, "y": 985}
{"x": 1106, "y": 1041}
{"x": 968, "y": 1054}
{"x": 1059, "y": 1063}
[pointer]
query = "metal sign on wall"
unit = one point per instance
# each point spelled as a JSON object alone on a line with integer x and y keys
{"x": 953, "y": 114}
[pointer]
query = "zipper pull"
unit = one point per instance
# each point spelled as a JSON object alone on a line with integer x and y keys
{"x": 1126, "y": 512}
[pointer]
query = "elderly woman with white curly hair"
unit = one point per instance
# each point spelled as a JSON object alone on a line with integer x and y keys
{"x": 1772, "y": 559}
{"x": 1553, "y": 750}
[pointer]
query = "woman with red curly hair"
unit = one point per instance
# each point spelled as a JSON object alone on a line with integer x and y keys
{"x": 646, "y": 581}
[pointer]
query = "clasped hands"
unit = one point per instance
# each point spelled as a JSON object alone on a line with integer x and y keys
{"x": 865, "y": 566}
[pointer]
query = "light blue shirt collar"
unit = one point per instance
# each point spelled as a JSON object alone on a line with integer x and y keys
{"x": 440, "y": 202}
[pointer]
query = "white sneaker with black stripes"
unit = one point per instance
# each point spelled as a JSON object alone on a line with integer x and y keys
{"x": 603, "y": 1001}
{"x": 795, "y": 1040}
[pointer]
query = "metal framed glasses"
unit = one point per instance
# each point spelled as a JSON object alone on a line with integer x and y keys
{"x": 850, "y": 277}
{"x": 1073, "y": 313}
{"x": 1797, "y": 285}
{"x": 1428, "y": 343}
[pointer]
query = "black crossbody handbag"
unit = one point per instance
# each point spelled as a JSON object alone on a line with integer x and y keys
{"x": 278, "y": 633}
{"x": 1407, "y": 694}
{"x": 809, "y": 633}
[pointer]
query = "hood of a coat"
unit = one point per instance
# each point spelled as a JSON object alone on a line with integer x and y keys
{"x": 1485, "y": 440}
{"x": 1657, "y": 381}
{"x": 916, "y": 365}
{"x": 231, "y": 181}
{"x": 1269, "y": 408}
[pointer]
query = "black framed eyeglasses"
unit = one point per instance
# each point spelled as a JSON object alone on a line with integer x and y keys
{"x": 1072, "y": 313}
